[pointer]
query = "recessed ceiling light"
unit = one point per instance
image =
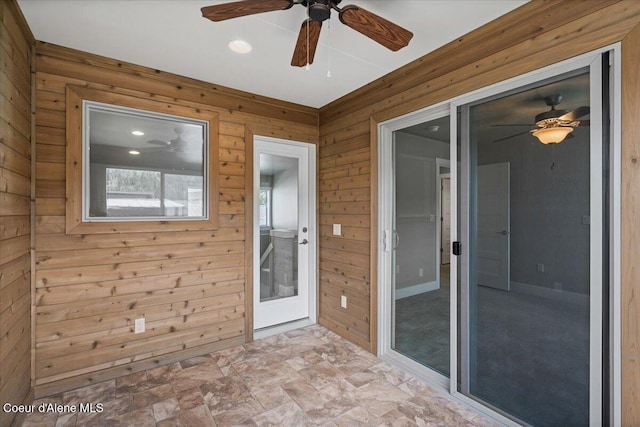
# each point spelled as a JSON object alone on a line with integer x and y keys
{"x": 240, "y": 46}
{"x": 137, "y": 133}
{"x": 134, "y": 152}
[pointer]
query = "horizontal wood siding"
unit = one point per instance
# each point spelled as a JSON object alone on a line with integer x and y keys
{"x": 15, "y": 210}
{"x": 538, "y": 34}
{"x": 190, "y": 286}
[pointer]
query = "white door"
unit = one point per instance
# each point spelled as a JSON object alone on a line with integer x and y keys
{"x": 445, "y": 218}
{"x": 493, "y": 226}
{"x": 284, "y": 232}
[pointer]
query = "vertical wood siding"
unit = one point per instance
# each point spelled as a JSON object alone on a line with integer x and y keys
{"x": 189, "y": 285}
{"x": 15, "y": 210}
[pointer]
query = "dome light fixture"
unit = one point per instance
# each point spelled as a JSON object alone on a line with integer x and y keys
{"x": 240, "y": 46}
{"x": 552, "y": 135}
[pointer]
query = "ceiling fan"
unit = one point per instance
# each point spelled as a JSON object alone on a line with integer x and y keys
{"x": 553, "y": 126}
{"x": 378, "y": 29}
{"x": 176, "y": 145}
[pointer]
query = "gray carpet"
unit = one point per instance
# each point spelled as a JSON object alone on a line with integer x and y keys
{"x": 531, "y": 358}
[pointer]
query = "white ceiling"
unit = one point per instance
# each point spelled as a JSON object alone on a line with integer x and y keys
{"x": 172, "y": 36}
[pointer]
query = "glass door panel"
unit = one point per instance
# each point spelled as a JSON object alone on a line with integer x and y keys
{"x": 283, "y": 232}
{"x": 527, "y": 300}
{"x": 420, "y": 280}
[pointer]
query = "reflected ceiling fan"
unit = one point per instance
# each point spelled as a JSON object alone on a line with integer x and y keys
{"x": 553, "y": 126}
{"x": 177, "y": 144}
{"x": 378, "y": 29}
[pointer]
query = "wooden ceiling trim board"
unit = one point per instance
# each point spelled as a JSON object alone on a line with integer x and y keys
{"x": 518, "y": 24}
{"x": 148, "y": 82}
{"x": 20, "y": 23}
{"x": 577, "y": 37}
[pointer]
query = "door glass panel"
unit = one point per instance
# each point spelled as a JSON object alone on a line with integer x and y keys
{"x": 527, "y": 350}
{"x": 278, "y": 216}
{"x": 420, "y": 274}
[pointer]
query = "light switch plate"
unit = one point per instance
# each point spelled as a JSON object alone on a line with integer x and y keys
{"x": 139, "y": 326}
{"x": 337, "y": 229}
{"x": 343, "y": 301}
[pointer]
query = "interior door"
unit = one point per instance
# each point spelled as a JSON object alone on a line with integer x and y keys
{"x": 493, "y": 226}
{"x": 283, "y": 232}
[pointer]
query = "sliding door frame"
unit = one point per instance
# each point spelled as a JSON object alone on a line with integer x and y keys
{"x": 613, "y": 193}
{"x": 386, "y": 205}
{"x": 592, "y": 61}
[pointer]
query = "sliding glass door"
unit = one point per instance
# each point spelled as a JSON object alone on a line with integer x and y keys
{"x": 531, "y": 267}
{"x": 503, "y": 295}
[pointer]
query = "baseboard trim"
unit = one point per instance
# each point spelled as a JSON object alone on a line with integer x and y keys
{"x": 416, "y": 289}
{"x": 548, "y": 293}
{"x": 58, "y": 386}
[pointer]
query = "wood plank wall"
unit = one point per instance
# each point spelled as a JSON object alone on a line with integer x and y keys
{"x": 15, "y": 209}
{"x": 190, "y": 285}
{"x": 538, "y": 34}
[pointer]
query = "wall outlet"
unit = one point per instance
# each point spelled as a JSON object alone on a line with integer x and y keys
{"x": 540, "y": 268}
{"x": 139, "y": 326}
{"x": 421, "y": 272}
{"x": 337, "y": 229}
{"x": 343, "y": 301}
{"x": 397, "y": 269}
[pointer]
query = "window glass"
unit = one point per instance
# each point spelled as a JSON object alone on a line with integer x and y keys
{"x": 143, "y": 165}
{"x": 265, "y": 207}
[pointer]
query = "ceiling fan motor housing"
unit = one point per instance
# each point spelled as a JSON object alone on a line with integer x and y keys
{"x": 320, "y": 10}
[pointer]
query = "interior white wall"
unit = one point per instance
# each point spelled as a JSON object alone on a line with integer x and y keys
{"x": 416, "y": 208}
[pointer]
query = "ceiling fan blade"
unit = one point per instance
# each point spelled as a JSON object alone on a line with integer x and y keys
{"x": 222, "y": 12}
{"x": 159, "y": 142}
{"x": 300, "y": 56}
{"x": 510, "y": 136}
{"x": 514, "y": 124}
{"x": 576, "y": 114}
{"x": 385, "y": 32}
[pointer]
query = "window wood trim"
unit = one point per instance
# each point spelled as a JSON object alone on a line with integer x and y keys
{"x": 74, "y": 193}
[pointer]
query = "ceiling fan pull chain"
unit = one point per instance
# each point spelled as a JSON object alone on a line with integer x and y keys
{"x": 329, "y": 49}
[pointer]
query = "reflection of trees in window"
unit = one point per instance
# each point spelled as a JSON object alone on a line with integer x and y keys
{"x": 133, "y": 181}
{"x": 133, "y": 192}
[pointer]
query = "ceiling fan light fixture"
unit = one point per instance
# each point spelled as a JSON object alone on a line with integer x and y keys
{"x": 552, "y": 135}
{"x": 240, "y": 46}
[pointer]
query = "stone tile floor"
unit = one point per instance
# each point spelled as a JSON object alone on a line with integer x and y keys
{"x": 306, "y": 377}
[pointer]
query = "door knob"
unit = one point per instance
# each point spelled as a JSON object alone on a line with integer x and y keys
{"x": 304, "y": 242}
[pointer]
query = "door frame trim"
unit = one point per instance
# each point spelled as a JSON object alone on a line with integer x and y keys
{"x": 312, "y": 226}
